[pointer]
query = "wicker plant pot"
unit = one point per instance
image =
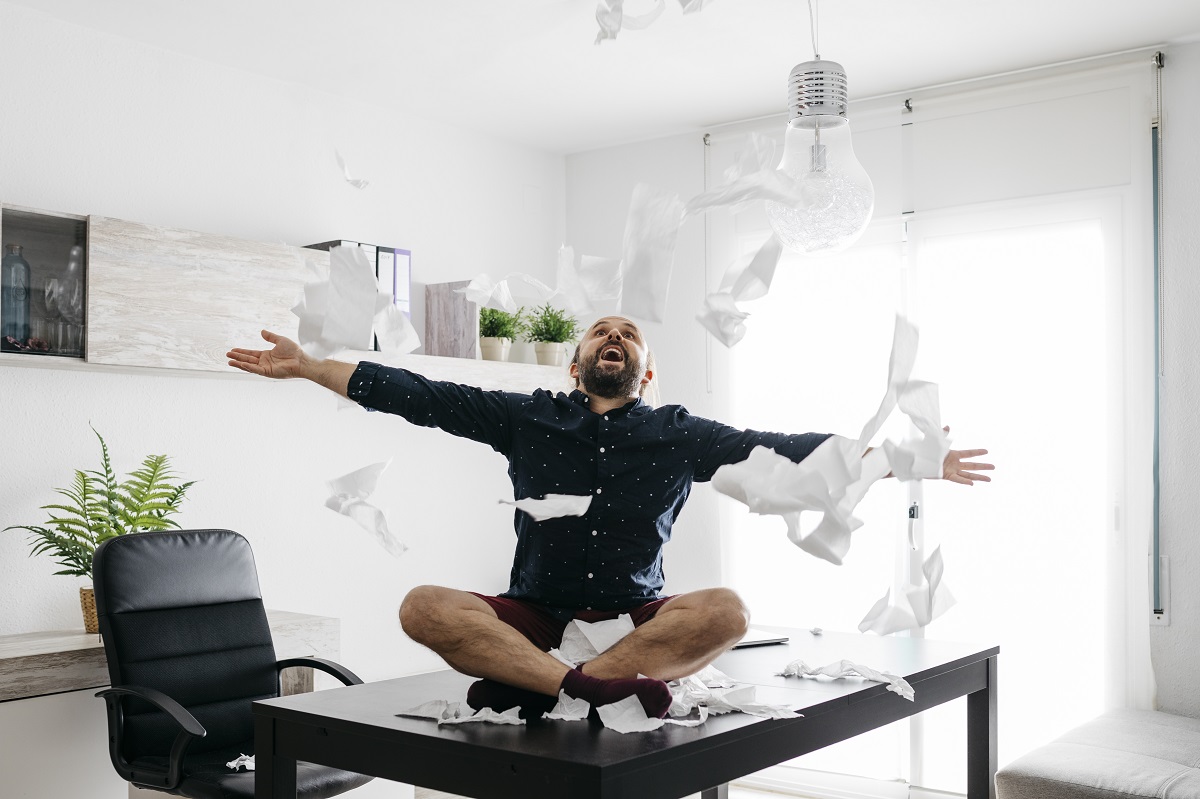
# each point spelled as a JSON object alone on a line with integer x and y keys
{"x": 87, "y": 600}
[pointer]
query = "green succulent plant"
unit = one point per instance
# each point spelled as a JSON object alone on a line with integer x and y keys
{"x": 500, "y": 324}
{"x": 98, "y": 507}
{"x": 551, "y": 325}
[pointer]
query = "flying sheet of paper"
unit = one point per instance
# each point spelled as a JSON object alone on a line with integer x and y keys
{"x": 844, "y": 668}
{"x": 608, "y": 15}
{"x": 512, "y": 291}
{"x": 651, "y": 230}
{"x": 722, "y": 317}
{"x": 357, "y": 183}
{"x": 835, "y": 477}
{"x": 568, "y": 709}
{"x": 395, "y": 332}
{"x": 338, "y": 313}
{"x": 916, "y": 607}
{"x": 348, "y": 496}
{"x": 692, "y": 6}
{"x": 552, "y": 506}
{"x": 242, "y": 761}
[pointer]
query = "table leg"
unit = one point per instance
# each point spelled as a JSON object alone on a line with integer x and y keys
{"x": 274, "y": 776}
{"x": 982, "y": 738}
{"x": 719, "y": 792}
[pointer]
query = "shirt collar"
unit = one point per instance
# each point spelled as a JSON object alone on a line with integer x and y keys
{"x": 581, "y": 399}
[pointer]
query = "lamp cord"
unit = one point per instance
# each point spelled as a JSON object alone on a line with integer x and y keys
{"x": 812, "y": 27}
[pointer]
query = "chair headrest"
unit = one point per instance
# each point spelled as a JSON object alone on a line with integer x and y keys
{"x": 180, "y": 568}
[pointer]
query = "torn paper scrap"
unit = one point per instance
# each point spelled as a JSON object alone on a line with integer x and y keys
{"x": 750, "y": 279}
{"x": 583, "y": 641}
{"x": 627, "y": 716}
{"x": 357, "y": 183}
{"x": 608, "y": 15}
{"x": 569, "y": 709}
{"x": 444, "y": 712}
{"x": 242, "y": 761}
{"x": 692, "y": 6}
{"x": 651, "y": 230}
{"x": 844, "y": 668}
{"x": 552, "y": 506}
{"x": 917, "y": 606}
{"x": 816, "y": 631}
{"x": 721, "y": 317}
{"x": 348, "y": 495}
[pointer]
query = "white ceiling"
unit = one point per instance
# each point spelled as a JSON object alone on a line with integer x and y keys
{"x": 528, "y": 71}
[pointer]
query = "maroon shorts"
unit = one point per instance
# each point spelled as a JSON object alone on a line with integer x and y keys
{"x": 545, "y": 629}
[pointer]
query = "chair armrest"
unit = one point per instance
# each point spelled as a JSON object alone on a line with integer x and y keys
{"x": 189, "y": 730}
{"x": 328, "y": 666}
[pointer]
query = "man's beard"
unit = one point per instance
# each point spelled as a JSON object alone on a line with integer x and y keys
{"x": 607, "y": 384}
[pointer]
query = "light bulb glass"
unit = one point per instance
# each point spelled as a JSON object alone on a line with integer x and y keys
{"x": 836, "y": 197}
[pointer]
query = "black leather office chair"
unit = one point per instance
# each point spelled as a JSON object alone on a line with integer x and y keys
{"x": 188, "y": 648}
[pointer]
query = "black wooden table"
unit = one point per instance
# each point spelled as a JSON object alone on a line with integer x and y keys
{"x": 356, "y": 729}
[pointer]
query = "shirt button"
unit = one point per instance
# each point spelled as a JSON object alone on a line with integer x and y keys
{"x": 602, "y": 449}
{"x": 595, "y": 532}
{"x": 599, "y": 490}
{"x": 589, "y": 575}
{"x": 606, "y": 418}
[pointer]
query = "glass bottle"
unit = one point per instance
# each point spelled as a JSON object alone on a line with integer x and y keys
{"x": 14, "y": 295}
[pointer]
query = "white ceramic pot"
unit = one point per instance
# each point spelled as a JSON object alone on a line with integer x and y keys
{"x": 549, "y": 353}
{"x": 493, "y": 348}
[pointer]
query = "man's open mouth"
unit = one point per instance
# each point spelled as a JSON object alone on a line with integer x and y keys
{"x": 612, "y": 352}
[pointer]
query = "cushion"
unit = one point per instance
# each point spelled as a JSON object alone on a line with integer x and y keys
{"x": 1124, "y": 753}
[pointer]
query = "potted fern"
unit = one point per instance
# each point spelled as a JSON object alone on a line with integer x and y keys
{"x": 97, "y": 507}
{"x": 497, "y": 329}
{"x": 549, "y": 329}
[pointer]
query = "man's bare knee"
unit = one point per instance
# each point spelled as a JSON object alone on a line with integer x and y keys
{"x": 428, "y": 611}
{"x": 728, "y": 615}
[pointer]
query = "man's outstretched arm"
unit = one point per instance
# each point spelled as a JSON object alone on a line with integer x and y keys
{"x": 286, "y": 359}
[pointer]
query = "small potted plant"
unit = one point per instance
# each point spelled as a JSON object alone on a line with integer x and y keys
{"x": 549, "y": 329}
{"x": 98, "y": 507}
{"x": 497, "y": 329}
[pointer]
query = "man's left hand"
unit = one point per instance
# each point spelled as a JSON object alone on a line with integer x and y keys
{"x": 959, "y": 468}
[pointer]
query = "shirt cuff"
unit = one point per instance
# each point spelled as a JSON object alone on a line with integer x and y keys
{"x": 362, "y": 381}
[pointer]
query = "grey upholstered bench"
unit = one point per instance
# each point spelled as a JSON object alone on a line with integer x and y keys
{"x": 1125, "y": 753}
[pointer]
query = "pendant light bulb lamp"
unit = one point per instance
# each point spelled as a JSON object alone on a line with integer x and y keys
{"x": 835, "y": 198}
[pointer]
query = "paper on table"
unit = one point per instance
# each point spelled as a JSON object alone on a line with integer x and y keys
{"x": 627, "y": 716}
{"x": 552, "y": 506}
{"x": 583, "y": 641}
{"x": 568, "y": 709}
{"x": 357, "y": 183}
{"x": 348, "y": 495}
{"x": 919, "y": 605}
{"x": 844, "y": 668}
{"x": 651, "y": 230}
{"x": 444, "y": 712}
{"x": 242, "y": 761}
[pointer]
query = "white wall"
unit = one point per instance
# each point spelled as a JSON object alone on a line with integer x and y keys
{"x": 94, "y": 124}
{"x": 1174, "y": 647}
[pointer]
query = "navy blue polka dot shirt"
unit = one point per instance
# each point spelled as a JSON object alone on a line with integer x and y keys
{"x": 636, "y": 462}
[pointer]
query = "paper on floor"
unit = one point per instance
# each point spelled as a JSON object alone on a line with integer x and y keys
{"x": 844, "y": 668}
{"x": 242, "y": 761}
{"x": 552, "y": 506}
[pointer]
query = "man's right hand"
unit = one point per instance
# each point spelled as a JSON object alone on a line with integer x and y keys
{"x": 286, "y": 359}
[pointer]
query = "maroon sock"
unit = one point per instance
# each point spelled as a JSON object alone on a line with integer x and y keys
{"x": 653, "y": 694}
{"x": 500, "y": 697}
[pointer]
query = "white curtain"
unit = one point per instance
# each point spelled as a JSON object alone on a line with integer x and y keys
{"x": 1013, "y": 225}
